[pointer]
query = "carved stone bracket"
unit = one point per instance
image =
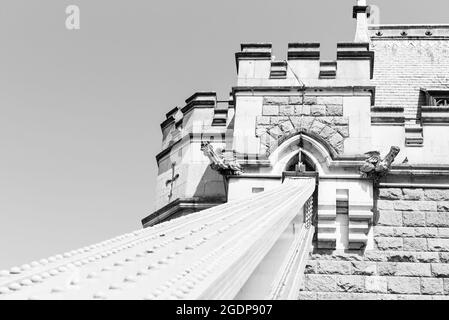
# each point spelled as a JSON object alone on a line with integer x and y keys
{"x": 218, "y": 162}
{"x": 375, "y": 167}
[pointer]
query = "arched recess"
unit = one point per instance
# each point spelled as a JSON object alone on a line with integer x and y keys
{"x": 315, "y": 150}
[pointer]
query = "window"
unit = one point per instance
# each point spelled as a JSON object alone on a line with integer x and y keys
{"x": 258, "y": 190}
{"x": 437, "y": 97}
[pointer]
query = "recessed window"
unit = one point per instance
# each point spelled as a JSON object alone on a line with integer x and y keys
{"x": 258, "y": 190}
{"x": 437, "y": 98}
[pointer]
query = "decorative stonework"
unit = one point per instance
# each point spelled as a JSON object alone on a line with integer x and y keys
{"x": 375, "y": 167}
{"x": 285, "y": 116}
{"x": 218, "y": 162}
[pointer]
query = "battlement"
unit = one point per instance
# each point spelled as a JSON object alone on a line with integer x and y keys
{"x": 255, "y": 61}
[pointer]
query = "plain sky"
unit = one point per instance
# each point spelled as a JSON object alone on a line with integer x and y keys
{"x": 80, "y": 110}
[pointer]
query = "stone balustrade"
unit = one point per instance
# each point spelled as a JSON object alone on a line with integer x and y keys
{"x": 207, "y": 255}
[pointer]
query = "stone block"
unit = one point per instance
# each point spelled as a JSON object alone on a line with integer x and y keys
{"x": 275, "y": 100}
{"x": 413, "y": 194}
{"x": 327, "y": 132}
{"x": 409, "y": 205}
{"x": 426, "y": 257}
{"x": 316, "y": 127}
{"x": 330, "y": 100}
{"x": 380, "y": 231}
{"x": 385, "y": 205}
{"x": 443, "y": 206}
{"x": 389, "y": 218}
{"x": 287, "y": 127}
{"x": 390, "y": 193}
{"x": 383, "y": 231}
{"x": 414, "y": 219}
{"x": 413, "y": 269}
{"x": 376, "y": 284}
{"x": 437, "y": 219}
{"x": 318, "y": 110}
{"x": 307, "y": 295}
{"x": 426, "y": 232}
{"x": 320, "y": 283}
{"x": 408, "y": 269}
{"x": 350, "y": 283}
{"x": 444, "y": 257}
{"x": 364, "y": 268}
{"x": 260, "y": 130}
{"x": 270, "y": 110}
{"x": 334, "y": 110}
{"x": 275, "y": 120}
{"x": 415, "y": 244}
{"x": 377, "y": 256}
{"x": 404, "y": 285}
{"x": 401, "y": 257}
{"x": 446, "y": 286}
{"x": 310, "y": 100}
{"x": 333, "y": 296}
{"x": 438, "y": 245}
{"x": 302, "y": 110}
{"x": 295, "y": 100}
{"x": 306, "y": 123}
{"x": 286, "y": 110}
{"x": 264, "y": 120}
{"x": 333, "y": 267}
{"x": 443, "y": 232}
{"x": 276, "y": 132}
{"x": 386, "y": 243}
{"x": 310, "y": 267}
{"x": 407, "y": 256}
{"x": 343, "y": 130}
{"x": 335, "y": 256}
{"x": 436, "y": 194}
{"x": 440, "y": 270}
{"x": 431, "y": 286}
{"x": 340, "y": 121}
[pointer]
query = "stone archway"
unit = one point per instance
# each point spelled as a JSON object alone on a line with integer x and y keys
{"x": 330, "y": 131}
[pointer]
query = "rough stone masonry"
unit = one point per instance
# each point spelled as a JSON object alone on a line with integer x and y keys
{"x": 411, "y": 259}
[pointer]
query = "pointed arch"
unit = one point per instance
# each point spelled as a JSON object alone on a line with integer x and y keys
{"x": 317, "y": 151}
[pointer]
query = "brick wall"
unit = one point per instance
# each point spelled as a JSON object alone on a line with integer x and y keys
{"x": 410, "y": 261}
{"x": 402, "y": 67}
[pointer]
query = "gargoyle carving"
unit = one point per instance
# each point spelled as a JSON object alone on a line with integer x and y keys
{"x": 218, "y": 162}
{"x": 375, "y": 167}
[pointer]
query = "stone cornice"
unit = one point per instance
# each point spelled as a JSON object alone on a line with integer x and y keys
{"x": 387, "y": 116}
{"x": 191, "y": 137}
{"x": 303, "y": 51}
{"x": 170, "y": 120}
{"x": 409, "y": 32}
{"x": 172, "y": 112}
{"x": 435, "y": 115}
{"x": 360, "y": 9}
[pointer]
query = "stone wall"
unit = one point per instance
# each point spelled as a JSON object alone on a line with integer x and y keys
{"x": 284, "y": 116}
{"x": 411, "y": 259}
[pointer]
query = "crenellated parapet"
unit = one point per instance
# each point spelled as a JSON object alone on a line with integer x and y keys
{"x": 256, "y": 66}
{"x": 185, "y": 183}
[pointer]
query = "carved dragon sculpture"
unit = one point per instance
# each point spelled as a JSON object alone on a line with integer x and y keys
{"x": 375, "y": 167}
{"x": 218, "y": 162}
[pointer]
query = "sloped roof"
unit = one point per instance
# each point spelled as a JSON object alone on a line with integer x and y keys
{"x": 408, "y": 58}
